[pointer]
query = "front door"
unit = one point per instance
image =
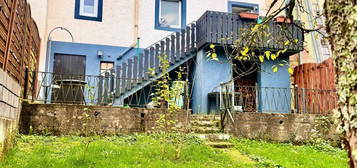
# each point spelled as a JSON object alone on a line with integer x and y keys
{"x": 69, "y": 78}
{"x": 69, "y": 65}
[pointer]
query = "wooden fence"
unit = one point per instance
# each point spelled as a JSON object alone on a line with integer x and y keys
{"x": 321, "y": 79}
{"x": 316, "y": 76}
{"x": 19, "y": 41}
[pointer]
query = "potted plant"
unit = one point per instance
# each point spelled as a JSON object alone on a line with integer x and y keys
{"x": 248, "y": 15}
{"x": 282, "y": 19}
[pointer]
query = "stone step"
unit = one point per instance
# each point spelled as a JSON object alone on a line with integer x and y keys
{"x": 205, "y": 123}
{"x": 202, "y": 117}
{"x": 216, "y": 137}
{"x": 220, "y": 144}
{"x": 205, "y": 130}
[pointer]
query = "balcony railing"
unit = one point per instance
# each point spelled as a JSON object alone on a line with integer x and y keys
{"x": 53, "y": 88}
{"x": 277, "y": 100}
{"x": 221, "y": 27}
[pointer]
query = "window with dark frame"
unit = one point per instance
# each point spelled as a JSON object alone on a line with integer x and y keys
{"x": 170, "y": 15}
{"x": 89, "y": 9}
{"x": 238, "y": 7}
{"x": 106, "y": 66}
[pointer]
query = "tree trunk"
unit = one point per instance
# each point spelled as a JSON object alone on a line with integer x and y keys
{"x": 341, "y": 25}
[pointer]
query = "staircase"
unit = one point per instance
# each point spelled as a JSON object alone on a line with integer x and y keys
{"x": 207, "y": 128}
{"x": 179, "y": 47}
{"x": 133, "y": 75}
{"x": 205, "y": 124}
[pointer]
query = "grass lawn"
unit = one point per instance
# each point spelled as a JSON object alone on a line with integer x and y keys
{"x": 288, "y": 155}
{"x": 117, "y": 152}
{"x": 162, "y": 151}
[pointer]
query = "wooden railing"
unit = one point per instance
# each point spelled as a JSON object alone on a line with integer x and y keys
{"x": 225, "y": 28}
{"x": 212, "y": 27}
{"x": 176, "y": 47}
{"x": 19, "y": 41}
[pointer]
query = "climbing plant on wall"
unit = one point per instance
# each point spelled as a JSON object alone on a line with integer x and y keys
{"x": 341, "y": 25}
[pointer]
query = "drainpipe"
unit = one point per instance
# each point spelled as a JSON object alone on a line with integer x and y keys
{"x": 136, "y": 38}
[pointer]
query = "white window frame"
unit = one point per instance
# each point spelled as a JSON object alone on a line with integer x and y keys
{"x": 81, "y": 9}
{"x": 180, "y": 13}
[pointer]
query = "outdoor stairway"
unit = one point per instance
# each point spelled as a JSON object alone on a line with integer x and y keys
{"x": 133, "y": 75}
{"x": 179, "y": 47}
{"x": 207, "y": 128}
{"x": 205, "y": 124}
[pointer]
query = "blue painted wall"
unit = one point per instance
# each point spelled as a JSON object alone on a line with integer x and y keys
{"x": 111, "y": 53}
{"x": 274, "y": 92}
{"x": 207, "y": 76}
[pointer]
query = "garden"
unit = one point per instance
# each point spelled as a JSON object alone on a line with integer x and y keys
{"x": 165, "y": 150}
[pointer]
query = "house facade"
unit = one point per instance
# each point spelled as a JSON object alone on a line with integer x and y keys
{"x": 92, "y": 37}
{"x": 316, "y": 47}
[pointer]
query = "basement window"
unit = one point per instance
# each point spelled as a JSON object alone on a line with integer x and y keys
{"x": 89, "y": 9}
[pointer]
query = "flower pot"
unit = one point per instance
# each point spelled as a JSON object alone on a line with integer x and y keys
{"x": 282, "y": 19}
{"x": 247, "y": 15}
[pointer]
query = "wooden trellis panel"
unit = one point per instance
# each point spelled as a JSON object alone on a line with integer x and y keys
{"x": 19, "y": 42}
{"x": 5, "y": 23}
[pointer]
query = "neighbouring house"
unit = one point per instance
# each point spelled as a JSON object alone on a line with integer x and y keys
{"x": 97, "y": 51}
{"x": 316, "y": 46}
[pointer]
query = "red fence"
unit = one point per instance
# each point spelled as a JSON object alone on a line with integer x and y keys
{"x": 19, "y": 41}
{"x": 317, "y": 76}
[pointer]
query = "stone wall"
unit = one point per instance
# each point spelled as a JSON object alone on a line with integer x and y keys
{"x": 278, "y": 127}
{"x": 10, "y": 105}
{"x": 62, "y": 119}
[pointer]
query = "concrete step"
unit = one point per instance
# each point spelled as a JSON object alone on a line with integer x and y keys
{"x": 215, "y": 137}
{"x": 220, "y": 144}
{"x": 202, "y": 117}
{"x": 204, "y": 130}
{"x": 205, "y": 123}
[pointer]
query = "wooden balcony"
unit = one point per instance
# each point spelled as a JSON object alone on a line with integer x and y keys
{"x": 226, "y": 28}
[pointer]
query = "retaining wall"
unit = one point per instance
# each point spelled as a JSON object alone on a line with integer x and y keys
{"x": 280, "y": 127}
{"x": 62, "y": 119}
{"x": 10, "y": 105}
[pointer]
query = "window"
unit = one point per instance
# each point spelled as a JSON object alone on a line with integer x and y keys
{"x": 238, "y": 7}
{"x": 170, "y": 14}
{"x": 89, "y": 9}
{"x": 106, "y": 67}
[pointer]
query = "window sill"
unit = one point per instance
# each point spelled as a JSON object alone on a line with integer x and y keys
{"x": 157, "y": 27}
{"x": 98, "y": 19}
